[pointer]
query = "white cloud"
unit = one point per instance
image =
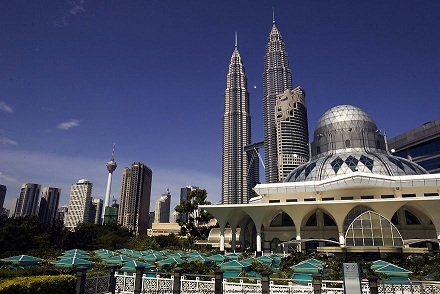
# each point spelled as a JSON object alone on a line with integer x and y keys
{"x": 7, "y": 141}
{"x": 7, "y": 178}
{"x": 68, "y": 124}
{"x": 76, "y": 8}
{"x": 4, "y": 107}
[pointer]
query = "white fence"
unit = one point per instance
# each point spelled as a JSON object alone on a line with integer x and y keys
{"x": 125, "y": 284}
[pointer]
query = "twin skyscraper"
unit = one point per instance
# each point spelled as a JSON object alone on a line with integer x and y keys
{"x": 286, "y": 142}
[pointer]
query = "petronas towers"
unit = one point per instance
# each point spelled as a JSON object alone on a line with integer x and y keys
{"x": 285, "y": 138}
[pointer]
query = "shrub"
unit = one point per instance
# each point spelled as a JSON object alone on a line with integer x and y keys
{"x": 39, "y": 285}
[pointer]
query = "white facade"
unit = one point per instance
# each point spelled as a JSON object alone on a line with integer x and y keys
{"x": 162, "y": 209}
{"x": 80, "y": 202}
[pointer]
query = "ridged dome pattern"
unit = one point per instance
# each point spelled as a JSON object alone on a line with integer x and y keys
{"x": 347, "y": 141}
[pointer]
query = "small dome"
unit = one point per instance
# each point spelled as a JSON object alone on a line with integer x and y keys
{"x": 346, "y": 141}
{"x": 343, "y": 118}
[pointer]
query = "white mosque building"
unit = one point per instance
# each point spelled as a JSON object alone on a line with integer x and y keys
{"x": 352, "y": 196}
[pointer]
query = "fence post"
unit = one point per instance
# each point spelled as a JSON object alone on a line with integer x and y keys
{"x": 112, "y": 280}
{"x": 218, "y": 286}
{"x": 177, "y": 279}
{"x": 265, "y": 282}
{"x": 138, "y": 279}
{"x": 316, "y": 283}
{"x": 80, "y": 279}
{"x": 372, "y": 283}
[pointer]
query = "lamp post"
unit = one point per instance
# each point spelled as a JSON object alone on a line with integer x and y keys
{"x": 372, "y": 283}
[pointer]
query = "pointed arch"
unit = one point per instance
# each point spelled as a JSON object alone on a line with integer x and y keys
{"x": 372, "y": 229}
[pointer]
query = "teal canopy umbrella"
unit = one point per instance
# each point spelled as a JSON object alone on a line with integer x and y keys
{"x": 130, "y": 266}
{"x": 72, "y": 262}
{"x": 73, "y": 255}
{"x": 119, "y": 260}
{"x": 307, "y": 267}
{"x": 233, "y": 256}
{"x": 265, "y": 260}
{"x": 218, "y": 258}
{"x": 169, "y": 261}
{"x": 177, "y": 255}
{"x": 73, "y": 251}
{"x": 247, "y": 261}
{"x": 103, "y": 253}
{"x": 393, "y": 271}
{"x": 302, "y": 278}
{"x": 233, "y": 266}
{"x": 378, "y": 264}
{"x": 152, "y": 257}
{"x": 22, "y": 260}
{"x": 200, "y": 258}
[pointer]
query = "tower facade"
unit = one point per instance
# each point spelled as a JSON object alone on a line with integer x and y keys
{"x": 162, "y": 210}
{"x": 50, "y": 198}
{"x": 236, "y": 134}
{"x": 3, "y": 190}
{"x": 135, "y": 198}
{"x": 111, "y": 167}
{"x": 292, "y": 131}
{"x": 184, "y": 192}
{"x": 80, "y": 203}
{"x": 277, "y": 77}
{"x": 27, "y": 202}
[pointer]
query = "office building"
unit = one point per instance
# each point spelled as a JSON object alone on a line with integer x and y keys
{"x": 184, "y": 193}
{"x": 80, "y": 203}
{"x": 134, "y": 208}
{"x": 291, "y": 130}
{"x": 96, "y": 211}
{"x": 27, "y": 202}
{"x": 421, "y": 145}
{"x": 50, "y": 198}
{"x": 62, "y": 214}
{"x": 277, "y": 77}
{"x": 111, "y": 213}
{"x": 3, "y": 190}
{"x": 236, "y": 134}
{"x": 353, "y": 196}
{"x": 162, "y": 210}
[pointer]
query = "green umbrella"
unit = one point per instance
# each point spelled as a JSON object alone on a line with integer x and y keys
{"x": 71, "y": 251}
{"x": 120, "y": 259}
{"x": 152, "y": 257}
{"x": 200, "y": 258}
{"x": 265, "y": 260}
{"x": 72, "y": 262}
{"x": 233, "y": 256}
{"x": 22, "y": 260}
{"x": 130, "y": 266}
{"x": 233, "y": 265}
{"x": 218, "y": 258}
{"x": 169, "y": 261}
{"x": 73, "y": 255}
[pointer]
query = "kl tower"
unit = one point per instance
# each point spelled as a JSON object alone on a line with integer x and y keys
{"x": 111, "y": 167}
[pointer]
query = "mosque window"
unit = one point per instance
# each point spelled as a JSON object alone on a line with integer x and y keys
{"x": 328, "y": 220}
{"x": 372, "y": 229}
{"x": 386, "y": 196}
{"x": 328, "y": 198}
{"x": 347, "y": 198}
{"x": 336, "y": 164}
{"x": 312, "y": 221}
{"x": 347, "y": 144}
{"x": 430, "y": 194}
{"x": 352, "y": 162}
{"x": 395, "y": 219}
{"x": 411, "y": 219}
{"x": 368, "y": 162}
{"x": 282, "y": 220}
{"x": 367, "y": 197}
{"x": 291, "y": 200}
{"x": 408, "y": 195}
{"x": 274, "y": 201}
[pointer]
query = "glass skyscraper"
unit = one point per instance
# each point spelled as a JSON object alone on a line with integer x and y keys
{"x": 236, "y": 134}
{"x": 277, "y": 77}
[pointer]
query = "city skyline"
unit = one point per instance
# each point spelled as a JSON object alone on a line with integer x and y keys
{"x": 87, "y": 69}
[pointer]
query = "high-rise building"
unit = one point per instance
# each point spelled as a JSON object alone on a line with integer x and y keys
{"x": 111, "y": 213}
{"x": 162, "y": 211}
{"x": 292, "y": 131}
{"x": 62, "y": 214}
{"x": 80, "y": 203}
{"x": 277, "y": 77}
{"x": 421, "y": 145}
{"x": 96, "y": 211}
{"x": 184, "y": 192}
{"x": 111, "y": 167}
{"x": 50, "y": 198}
{"x": 236, "y": 134}
{"x": 135, "y": 198}
{"x": 27, "y": 202}
{"x": 3, "y": 190}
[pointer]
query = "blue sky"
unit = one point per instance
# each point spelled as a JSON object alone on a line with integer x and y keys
{"x": 78, "y": 76}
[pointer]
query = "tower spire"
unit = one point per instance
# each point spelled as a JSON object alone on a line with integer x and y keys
{"x": 113, "y": 152}
{"x": 236, "y": 39}
{"x": 273, "y": 15}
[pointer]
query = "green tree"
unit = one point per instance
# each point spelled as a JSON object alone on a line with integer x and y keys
{"x": 193, "y": 229}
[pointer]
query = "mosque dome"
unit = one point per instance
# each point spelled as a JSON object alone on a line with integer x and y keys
{"x": 346, "y": 140}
